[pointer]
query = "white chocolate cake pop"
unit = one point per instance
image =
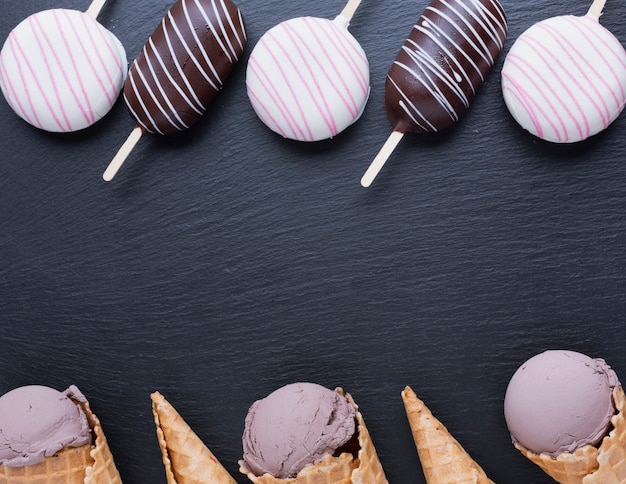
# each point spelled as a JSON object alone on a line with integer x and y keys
{"x": 564, "y": 79}
{"x": 61, "y": 70}
{"x": 308, "y": 78}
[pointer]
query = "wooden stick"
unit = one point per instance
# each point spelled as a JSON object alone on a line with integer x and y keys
{"x": 381, "y": 158}
{"x": 350, "y": 8}
{"x": 94, "y": 9}
{"x": 596, "y": 9}
{"x": 123, "y": 153}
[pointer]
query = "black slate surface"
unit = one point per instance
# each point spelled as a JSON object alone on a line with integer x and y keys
{"x": 225, "y": 262}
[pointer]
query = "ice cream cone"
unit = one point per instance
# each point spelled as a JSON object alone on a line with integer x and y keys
{"x": 344, "y": 469}
{"x": 444, "y": 460}
{"x": 185, "y": 457}
{"x": 605, "y": 464}
{"x": 87, "y": 464}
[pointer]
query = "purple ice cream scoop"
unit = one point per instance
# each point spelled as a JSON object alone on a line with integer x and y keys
{"x": 559, "y": 401}
{"x": 294, "y": 426}
{"x": 38, "y": 421}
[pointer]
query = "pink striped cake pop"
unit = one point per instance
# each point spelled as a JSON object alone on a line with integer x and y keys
{"x": 61, "y": 70}
{"x": 308, "y": 77}
{"x": 564, "y": 79}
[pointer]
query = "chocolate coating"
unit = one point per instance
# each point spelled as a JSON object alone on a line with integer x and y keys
{"x": 443, "y": 63}
{"x": 184, "y": 64}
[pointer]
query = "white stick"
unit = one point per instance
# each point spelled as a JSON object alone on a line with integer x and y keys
{"x": 350, "y": 8}
{"x": 94, "y": 9}
{"x": 122, "y": 154}
{"x": 382, "y": 156}
{"x": 596, "y": 9}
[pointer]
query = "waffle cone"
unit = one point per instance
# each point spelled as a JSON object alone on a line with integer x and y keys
{"x": 605, "y": 464}
{"x": 444, "y": 460}
{"x": 87, "y": 464}
{"x": 344, "y": 469}
{"x": 185, "y": 457}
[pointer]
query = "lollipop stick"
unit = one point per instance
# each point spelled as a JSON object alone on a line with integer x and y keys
{"x": 122, "y": 154}
{"x": 596, "y": 8}
{"x": 350, "y": 8}
{"x": 94, "y": 9}
{"x": 381, "y": 158}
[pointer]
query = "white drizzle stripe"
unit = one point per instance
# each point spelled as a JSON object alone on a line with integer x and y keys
{"x": 163, "y": 95}
{"x": 426, "y": 63}
{"x": 403, "y": 105}
{"x": 425, "y": 29}
{"x": 171, "y": 79}
{"x": 497, "y": 23}
{"x": 426, "y": 80}
{"x": 212, "y": 28}
{"x": 243, "y": 30}
{"x": 232, "y": 27}
{"x": 146, "y": 111}
{"x": 224, "y": 33}
{"x": 218, "y": 82}
{"x": 190, "y": 53}
{"x": 482, "y": 50}
{"x": 441, "y": 23}
{"x": 134, "y": 113}
{"x": 181, "y": 73}
{"x": 479, "y": 20}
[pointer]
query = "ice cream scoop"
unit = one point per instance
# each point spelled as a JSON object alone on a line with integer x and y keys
{"x": 439, "y": 69}
{"x": 61, "y": 70}
{"x": 294, "y": 426}
{"x": 38, "y": 421}
{"x": 308, "y": 78}
{"x": 564, "y": 78}
{"x": 180, "y": 70}
{"x": 559, "y": 401}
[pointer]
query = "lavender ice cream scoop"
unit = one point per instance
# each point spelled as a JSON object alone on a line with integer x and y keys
{"x": 294, "y": 426}
{"x": 559, "y": 401}
{"x": 38, "y": 421}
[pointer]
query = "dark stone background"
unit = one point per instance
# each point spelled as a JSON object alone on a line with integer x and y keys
{"x": 225, "y": 262}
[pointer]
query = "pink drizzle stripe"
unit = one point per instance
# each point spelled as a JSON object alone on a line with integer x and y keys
{"x": 108, "y": 87}
{"x": 520, "y": 95}
{"x": 286, "y": 76}
{"x": 276, "y": 96}
{"x": 578, "y": 59}
{"x": 37, "y": 29}
{"x": 619, "y": 59}
{"x": 324, "y": 111}
{"x": 533, "y": 78}
{"x": 349, "y": 52}
{"x": 83, "y": 108}
{"x": 532, "y": 106}
{"x": 13, "y": 99}
{"x": 549, "y": 61}
{"x": 17, "y": 47}
{"x": 266, "y": 115}
{"x": 348, "y": 101}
